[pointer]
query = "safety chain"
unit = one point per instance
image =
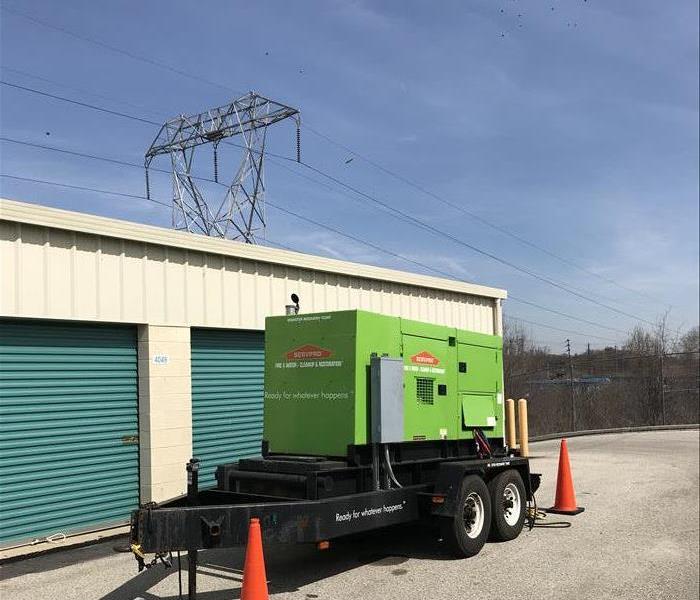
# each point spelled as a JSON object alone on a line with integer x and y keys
{"x": 163, "y": 557}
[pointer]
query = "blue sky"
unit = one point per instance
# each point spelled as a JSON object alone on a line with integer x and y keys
{"x": 571, "y": 123}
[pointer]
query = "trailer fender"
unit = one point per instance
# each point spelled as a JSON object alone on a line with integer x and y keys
{"x": 451, "y": 474}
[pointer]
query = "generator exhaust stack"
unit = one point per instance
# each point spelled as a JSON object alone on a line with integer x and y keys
{"x": 293, "y": 309}
{"x": 240, "y": 214}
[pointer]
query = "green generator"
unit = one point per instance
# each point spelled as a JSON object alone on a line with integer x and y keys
{"x": 350, "y": 378}
{"x": 370, "y": 421}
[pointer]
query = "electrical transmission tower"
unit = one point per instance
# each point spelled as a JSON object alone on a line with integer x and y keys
{"x": 239, "y": 213}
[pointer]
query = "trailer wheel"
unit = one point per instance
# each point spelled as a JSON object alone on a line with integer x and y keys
{"x": 507, "y": 493}
{"x": 467, "y": 531}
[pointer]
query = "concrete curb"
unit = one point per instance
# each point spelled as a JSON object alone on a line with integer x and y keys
{"x": 568, "y": 434}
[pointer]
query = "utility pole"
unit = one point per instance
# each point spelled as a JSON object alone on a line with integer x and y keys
{"x": 662, "y": 328}
{"x": 571, "y": 385}
{"x": 590, "y": 362}
{"x": 663, "y": 393}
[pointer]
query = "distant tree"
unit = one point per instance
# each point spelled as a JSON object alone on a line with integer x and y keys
{"x": 644, "y": 382}
{"x": 522, "y": 358}
{"x": 642, "y": 342}
{"x": 660, "y": 339}
{"x": 666, "y": 337}
{"x": 690, "y": 341}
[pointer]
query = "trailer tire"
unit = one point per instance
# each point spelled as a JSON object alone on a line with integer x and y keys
{"x": 467, "y": 531}
{"x": 507, "y": 493}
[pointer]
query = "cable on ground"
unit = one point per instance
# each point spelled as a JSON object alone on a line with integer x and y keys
{"x": 535, "y": 518}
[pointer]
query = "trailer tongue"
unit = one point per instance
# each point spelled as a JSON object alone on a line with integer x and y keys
{"x": 370, "y": 421}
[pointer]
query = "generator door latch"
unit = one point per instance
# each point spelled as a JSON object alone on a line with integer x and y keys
{"x": 442, "y": 389}
{"x": 462, "y": 367}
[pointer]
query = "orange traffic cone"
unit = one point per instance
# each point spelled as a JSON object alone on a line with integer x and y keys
{"x": 565, "y": 501}
{"x": 254, "y": 578}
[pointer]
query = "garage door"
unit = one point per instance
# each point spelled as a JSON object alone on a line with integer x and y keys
{"x": 68, "y": 427}
{"x": 227, "y": 397}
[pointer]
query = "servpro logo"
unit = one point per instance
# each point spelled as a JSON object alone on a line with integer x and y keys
{"x": 425, "y": 358}
{"x": 308, "y": 352}
{"x": 424, "y": 362}
{"x": 308, "y": 356}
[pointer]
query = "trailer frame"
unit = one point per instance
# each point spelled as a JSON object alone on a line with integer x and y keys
{"x": 220, "y": 517}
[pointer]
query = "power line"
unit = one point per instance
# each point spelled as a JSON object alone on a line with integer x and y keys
{"x": 450, "y": 275}
{"x": 280, "y": 245}
{"x": 473, "y": 215}
{"x": 273, "y": 205}
{"x": 341, "y": 191}
{"x": 125, "y": 163}
{"x": 437, "y": 271}
{"x": 77, "y": 89}
{"x": 112, "y": 112}
{"x": 132, "y": 55}
{"x": 485, "y": 253}
{"x": 110, "y": 193}
{"x": 116, "y": 113}
{"x": 563, "y": 314}
{"x": 287, "y": 211}
{"x": 79, "y": 154}
{"x": 587, "y": 335}
{"x": 277, "y": 207}
{"x": 405, "y": 216}
{"x": 328, "y": 227}
{"x": 83, "y": 188}
{"x": 357, "y": 239}
{"x": 129, "y": 164}
{"x": 182, "y": 73}
{"x": 296, "y": 173}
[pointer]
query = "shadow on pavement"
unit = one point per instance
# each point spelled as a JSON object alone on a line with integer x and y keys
{"x": 57, "y": 558}
{"x": 290, "y": 568}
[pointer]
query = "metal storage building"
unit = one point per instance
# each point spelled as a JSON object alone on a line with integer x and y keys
{"x": 125, "y": 349}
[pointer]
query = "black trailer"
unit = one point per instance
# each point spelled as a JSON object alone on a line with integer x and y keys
{"x": 471, "y": 491}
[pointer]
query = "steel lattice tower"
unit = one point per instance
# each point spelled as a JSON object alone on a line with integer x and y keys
{"x": 240, "y": 215}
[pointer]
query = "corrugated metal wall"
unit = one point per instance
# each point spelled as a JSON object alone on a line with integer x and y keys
{"x": 73, "y": 267}
{"x": 58, "y": 274}
{"x": 68, "y": 404}
{"x": 227, "y": 397}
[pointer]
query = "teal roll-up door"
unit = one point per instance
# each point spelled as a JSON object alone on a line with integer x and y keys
{"x": 68, "y": 427}
{"x": 227, "y": 397}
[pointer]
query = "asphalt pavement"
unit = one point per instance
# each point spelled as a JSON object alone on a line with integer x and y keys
{"x": 637, "y": 539}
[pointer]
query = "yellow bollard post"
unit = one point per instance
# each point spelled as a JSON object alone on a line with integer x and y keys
{"x": 522, "y": 426}
{"x": 510, "y": 423}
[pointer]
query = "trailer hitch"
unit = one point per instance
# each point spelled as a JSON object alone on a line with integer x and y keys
{"x": 211, "y": 531}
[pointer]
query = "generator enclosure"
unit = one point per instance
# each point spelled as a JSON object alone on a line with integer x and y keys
{"x": 324, "y": 370}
